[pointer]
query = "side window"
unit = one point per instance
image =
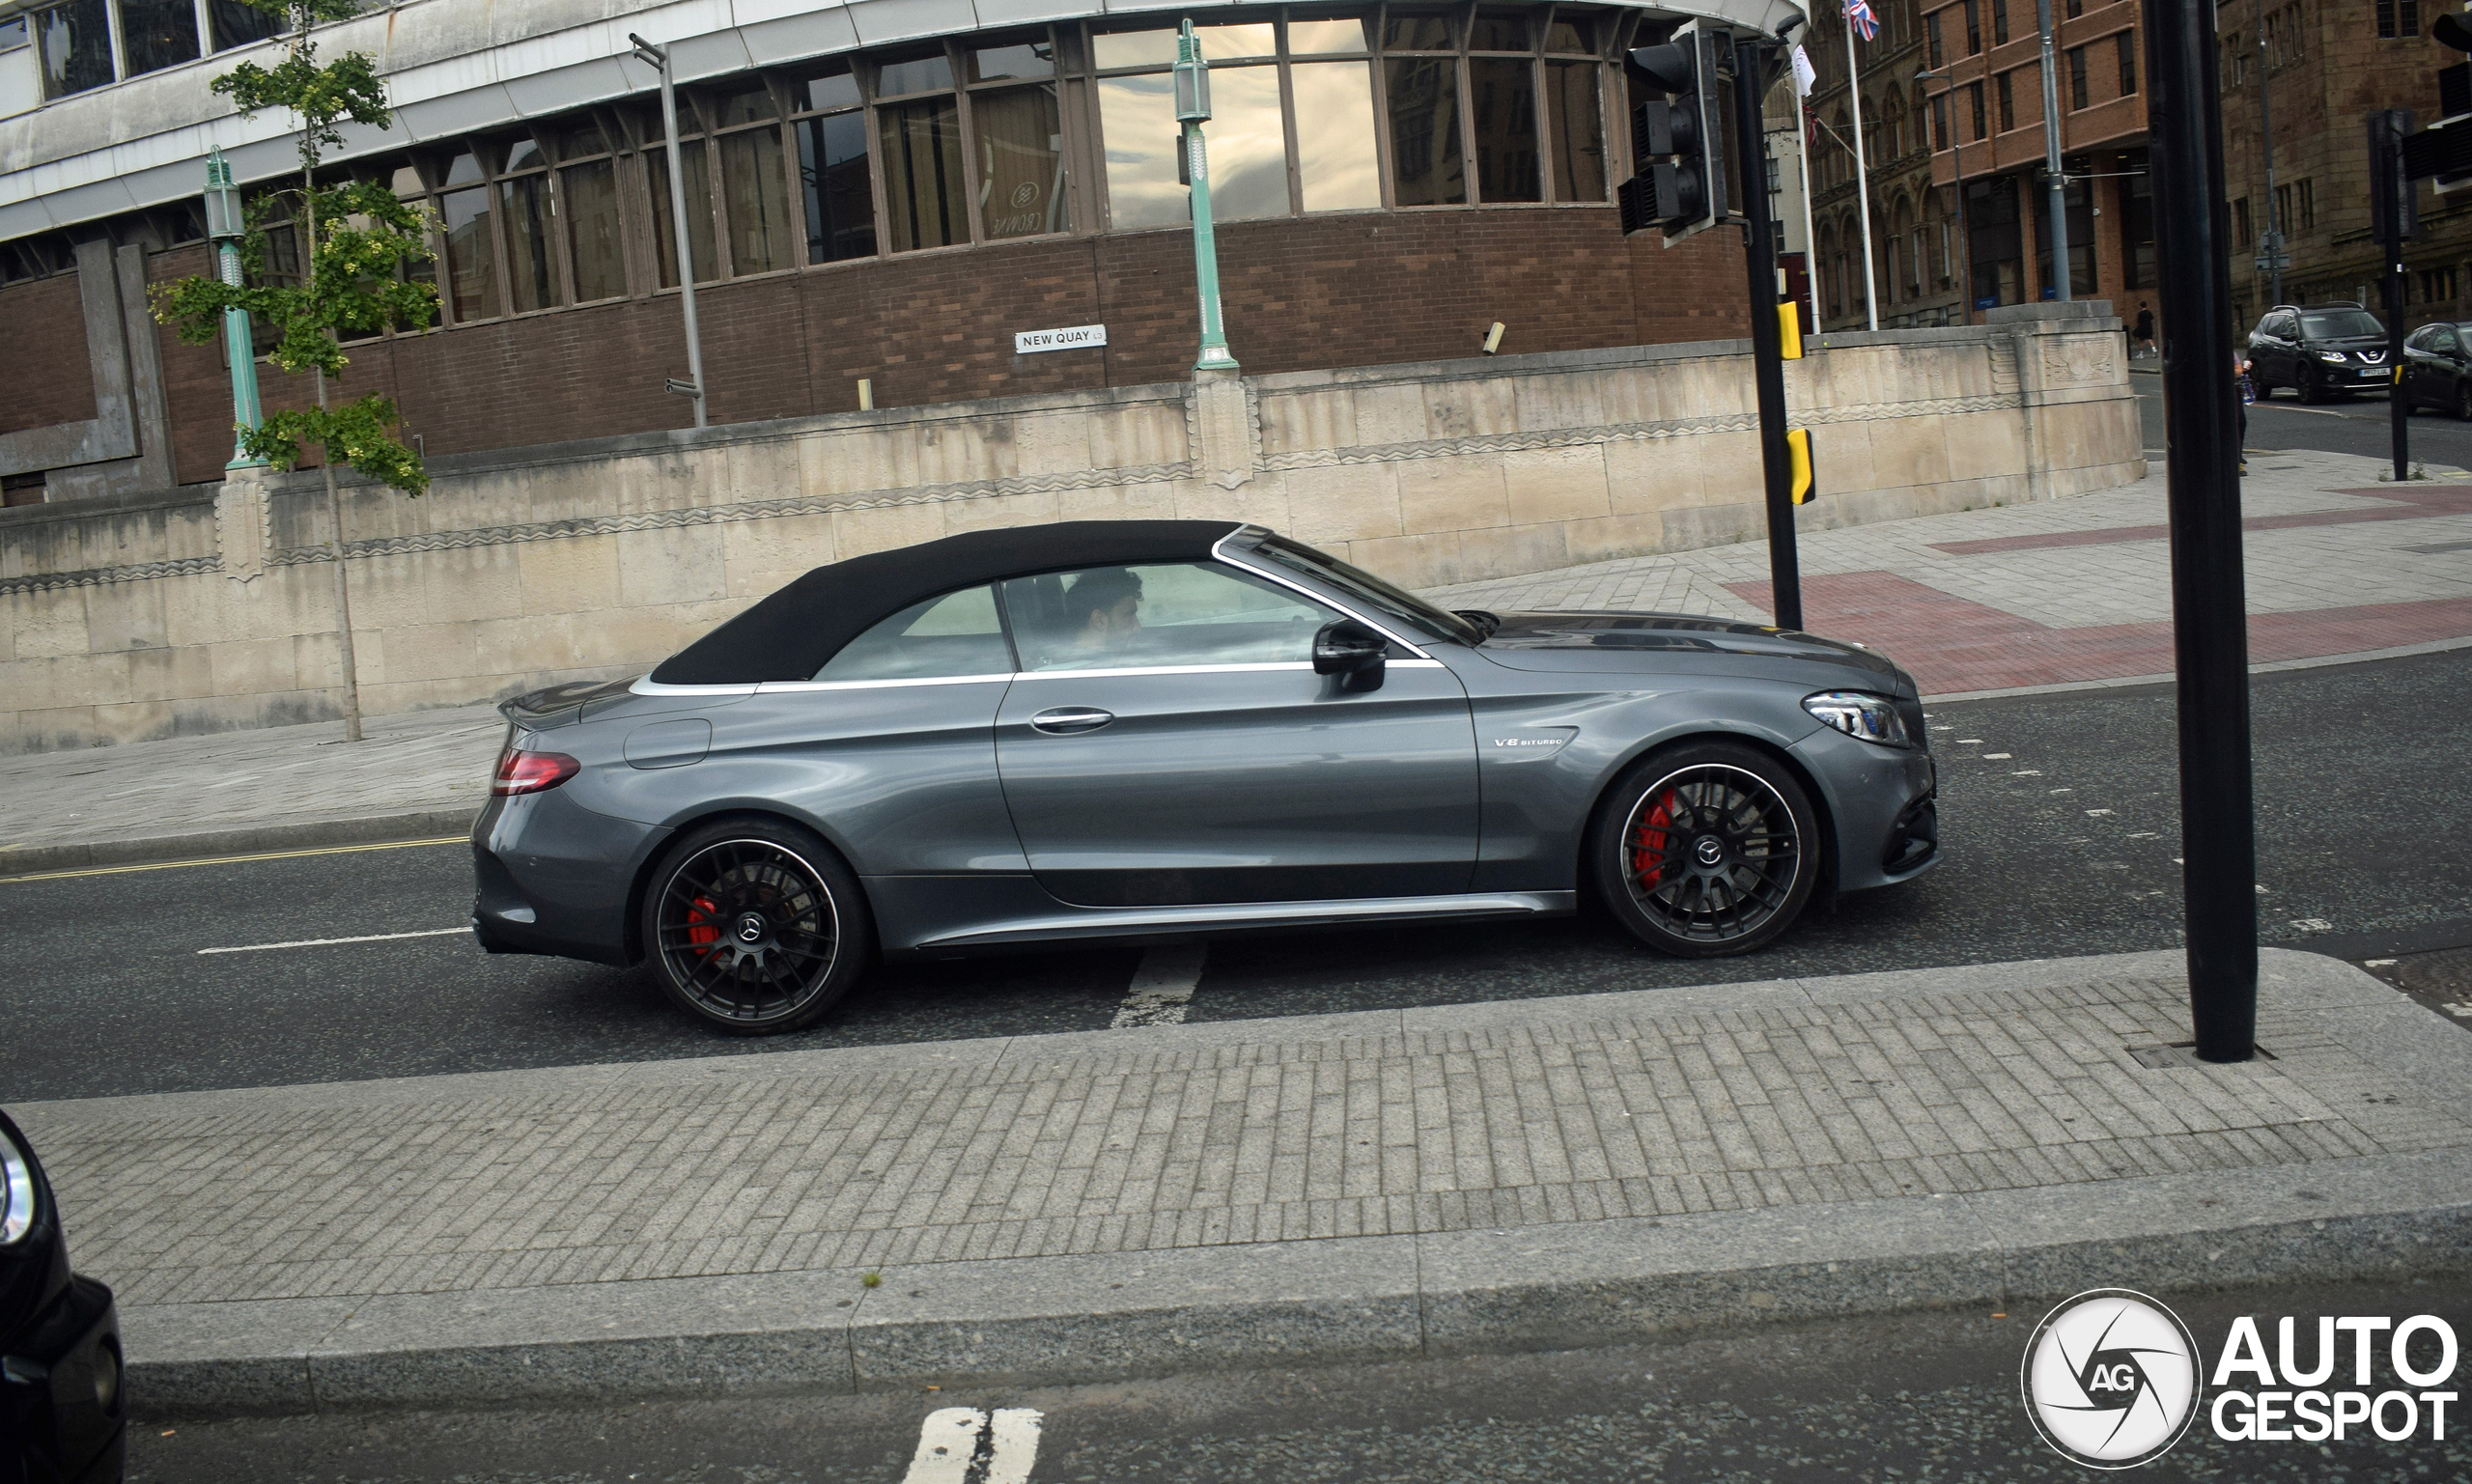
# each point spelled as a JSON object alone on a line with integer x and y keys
{"x": 2443, "y": 340}
{"x": 2284, "y": 327}
{"x": 955, "y": 634}
{"x": 1177, "y": 613}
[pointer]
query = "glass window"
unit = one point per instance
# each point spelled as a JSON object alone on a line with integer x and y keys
{"x": 12, "y": 33}
{"x": 581, "y": 140}
{"x": 840, "y": 199}
{"x": 2129, "y": 62}
{"x": 471, "y": 263}
{"x": 1425, "y": 168}
{"x": 1245, "y": 143}
{"x": 1020, "y": 162}
{"x": 833, "y": 88}
{"x": 922, "y": 163}
{"x": 76, "y": 45}
{"x": 592, "y": 229}
{"x": 1326, "y": 37}
{"x": 1504, "y": 108}
{"x": 1367, "y": 589}
{"x": 524, "y": 202}
{"x": 1137, "y": 121}
{"x": 1498, "y": 30}
{"x": 955, "y": 634}
{"x": 1409, "y": 31}
{"x": 1225, "y": 44}
{"x": 1576, "y": 123}
{"x": 236, "y": 24}
{"x": 1572, "y": 34}
{"x": 462, "y": 169}
{"x": 758, "y": 190}
{"x": 1020, "y": 59}
{"x": 1134, "y": 48}
{"x": 748, "y": 105}
{"x": 1180, "y": 613}
{"x": 522, "y": 154}
{"x": 699, "y": 211}
{"x": 156, "y": 34}
{"x": 1335, "y": 141}
{"x": 915, "y": 72}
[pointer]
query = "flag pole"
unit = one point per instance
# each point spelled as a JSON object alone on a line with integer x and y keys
{"x": 1862, "y": 178}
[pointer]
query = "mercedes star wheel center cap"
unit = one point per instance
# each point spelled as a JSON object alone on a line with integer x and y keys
{"x": 1710, "y": 850}
{"x": 751, "y": 928}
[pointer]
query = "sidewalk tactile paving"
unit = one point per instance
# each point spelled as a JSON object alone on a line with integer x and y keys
{"x": 1283, "y": 1140}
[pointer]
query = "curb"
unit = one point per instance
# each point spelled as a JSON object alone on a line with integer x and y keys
{"x": 22, "y": 861}
{"x": 1334, "y": 1300}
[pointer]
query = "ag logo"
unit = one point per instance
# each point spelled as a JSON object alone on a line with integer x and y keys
{"x": 2111, "y": 1379}
{"x": 1026, "y": 193}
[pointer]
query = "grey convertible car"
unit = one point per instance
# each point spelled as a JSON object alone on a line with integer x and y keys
{"x": 1160, "y": 729}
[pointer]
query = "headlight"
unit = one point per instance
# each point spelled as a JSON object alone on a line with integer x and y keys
{"x": 2337, "y": 356}
{"x": 1860, "y": 713}
{"x": 17, "y": 1193}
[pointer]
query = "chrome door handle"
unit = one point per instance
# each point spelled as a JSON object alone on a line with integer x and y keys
{"x": 1065, "y": 721}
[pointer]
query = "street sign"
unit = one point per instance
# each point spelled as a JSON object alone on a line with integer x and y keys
{"x": 2274, "y": 263}
{"x": 1071, "y": 338}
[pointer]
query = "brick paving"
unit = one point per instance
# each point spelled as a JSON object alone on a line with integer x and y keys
{"x": 1195, "y": 1138}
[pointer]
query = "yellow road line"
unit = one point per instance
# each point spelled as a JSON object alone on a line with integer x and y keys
{"x": 228, "y": 861}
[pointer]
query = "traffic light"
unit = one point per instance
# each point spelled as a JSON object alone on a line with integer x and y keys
{"x": 1678, "y": 136}
{"x": 2394, "y": 203}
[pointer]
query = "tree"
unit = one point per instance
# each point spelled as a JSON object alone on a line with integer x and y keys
{"x": 352, "y": 238}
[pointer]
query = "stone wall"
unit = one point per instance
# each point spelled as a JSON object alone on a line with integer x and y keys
{"x": 150, "y": 615}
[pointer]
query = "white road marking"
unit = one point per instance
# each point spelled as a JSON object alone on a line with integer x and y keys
{"x": 2377, "y": 962}
{"x": 1014, "y": 1433}
{"x": 321, "y": 942}
{"x": 2312, "y": 924}
{"x": 949, "y": 1440}
{"x": 1163, "y": 986}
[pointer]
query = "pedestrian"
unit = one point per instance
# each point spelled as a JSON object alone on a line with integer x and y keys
{"x": 2248, "y": 394}
{"x": 2141, "y": 335}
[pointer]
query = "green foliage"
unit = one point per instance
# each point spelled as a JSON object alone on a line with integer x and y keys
{"x": 358, "y": 240}
{"x": 360, "y": 433}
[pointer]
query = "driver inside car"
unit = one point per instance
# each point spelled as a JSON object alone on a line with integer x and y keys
{"x": 1101, "y": 610}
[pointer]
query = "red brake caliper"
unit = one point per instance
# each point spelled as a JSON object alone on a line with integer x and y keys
{"x": 701, "y": 930}
{"x": 1648, "y": 849}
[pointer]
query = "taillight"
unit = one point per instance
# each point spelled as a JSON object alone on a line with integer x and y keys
{"x": 531, "y": 773}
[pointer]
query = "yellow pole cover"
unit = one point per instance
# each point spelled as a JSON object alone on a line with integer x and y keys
{"x": 1798, "y": 444}
{"x": 1790, "y": 327}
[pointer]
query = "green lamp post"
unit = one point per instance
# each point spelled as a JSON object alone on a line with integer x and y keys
{"x": 1192, "y": 111}
{"x": 225, "y": 224}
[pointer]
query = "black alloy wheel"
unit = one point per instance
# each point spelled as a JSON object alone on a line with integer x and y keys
{"x": 1707, "y": 850}
{"x": 2312, "y": 388}
{"x": 755, "y": 926}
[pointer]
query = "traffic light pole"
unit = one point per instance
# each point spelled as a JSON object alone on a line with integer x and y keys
{"x": 1767, "y": 335}
{"x": 2390, "y": 214}
{"x": 2209, "y": 624}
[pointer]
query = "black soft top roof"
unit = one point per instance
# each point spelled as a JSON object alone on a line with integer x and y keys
{"x": 792, "y": 633}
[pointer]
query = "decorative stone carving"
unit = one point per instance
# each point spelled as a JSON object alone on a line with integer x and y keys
{"x": 242, "y": 531}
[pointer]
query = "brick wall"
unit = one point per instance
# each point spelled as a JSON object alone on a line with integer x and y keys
{"x": 1321, "y": 293}
{"x": 45, "y": 377}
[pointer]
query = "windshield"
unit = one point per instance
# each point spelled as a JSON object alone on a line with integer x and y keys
{"x": 2340, "y": 324}
{"x": 1371, "y": 590}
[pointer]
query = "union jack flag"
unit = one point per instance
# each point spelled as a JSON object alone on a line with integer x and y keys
{"x": 1858, "y": 15}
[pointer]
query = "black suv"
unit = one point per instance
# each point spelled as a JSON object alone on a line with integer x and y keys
{"x": 2320, "y": 350}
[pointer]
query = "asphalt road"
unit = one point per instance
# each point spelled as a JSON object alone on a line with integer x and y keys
{"x": 2359, "y": 424}
{"x": 1926, "y": 1396}
{"x": 2058, "y": 814}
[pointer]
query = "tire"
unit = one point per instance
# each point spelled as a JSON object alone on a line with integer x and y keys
{"x": 1735, "y": 877}
{"x": 2463, "y": 401}
{"x": 2310, "y": 392}
{"x": 755, "y": 926}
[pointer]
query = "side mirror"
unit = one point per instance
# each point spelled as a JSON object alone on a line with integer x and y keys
{"x": 1352, "y": 652}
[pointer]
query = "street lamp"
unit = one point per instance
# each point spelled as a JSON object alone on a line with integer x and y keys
{"x": 1192, "y": 111}
{"x": 654, "y": 57}
{"x": 1965, "y": 232}
{"x": 227, "y": 225}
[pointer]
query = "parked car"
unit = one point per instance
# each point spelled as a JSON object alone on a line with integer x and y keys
{"x": 1146, "y": 730}
{"x": 63, "y": 1417}
{"x": 2320, "y": 351}
{"x": 2437, "y": 369}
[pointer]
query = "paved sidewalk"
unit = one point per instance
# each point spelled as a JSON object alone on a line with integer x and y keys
{"x": 2053, "y": 593}
{"x": 1264, "y": 1190}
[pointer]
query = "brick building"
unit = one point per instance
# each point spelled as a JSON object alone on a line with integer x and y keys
{"x": 880, "y": 191}
{"x": 1975, "y": 125}
{"x": 2328, "y": 66}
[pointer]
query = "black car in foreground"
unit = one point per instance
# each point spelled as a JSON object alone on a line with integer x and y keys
{"x": 63, "y": 1420}
{"x": 2437, "y": 370}
{"x": 2320, "y": 350}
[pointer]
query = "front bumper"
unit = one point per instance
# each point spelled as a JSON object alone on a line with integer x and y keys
{"x": 551, "y": 876}
{"x": 1884, "y": 804}
{"x": 61, "y": 1397}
